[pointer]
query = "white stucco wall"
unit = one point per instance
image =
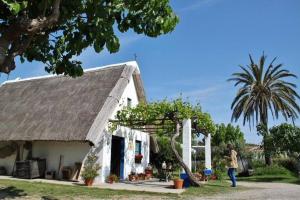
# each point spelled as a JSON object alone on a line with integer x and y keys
{"x": 103, "y": 150}
{"x": 77, "y": 151}
{"x": 71, "y": 151}
{"x": 129, "y": 92}
{"x": 103, "y": 147}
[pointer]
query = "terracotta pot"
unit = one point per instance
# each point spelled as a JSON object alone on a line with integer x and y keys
{"x": 148, "y": 171}
{"x": 148, "y": 176}
{"x": 178, "y": 183}
{"x": 89, "y": 181}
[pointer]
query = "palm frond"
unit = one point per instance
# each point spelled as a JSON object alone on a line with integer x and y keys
{"x": 262, "y": 92}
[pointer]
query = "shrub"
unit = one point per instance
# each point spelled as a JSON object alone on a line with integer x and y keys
{"x": 90, "y": 169}
{"x": 165, "y": 153}
{"x": 254, "y": 164}
{"x": 289, "y": 163}
{"x": 271, "y": 170}
{"x": 220, "y": 174}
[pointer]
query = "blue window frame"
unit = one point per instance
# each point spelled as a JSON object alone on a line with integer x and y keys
{"x": 138, "y": 147}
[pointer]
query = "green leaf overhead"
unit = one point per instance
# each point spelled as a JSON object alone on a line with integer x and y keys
{"x": 56, "y": 31}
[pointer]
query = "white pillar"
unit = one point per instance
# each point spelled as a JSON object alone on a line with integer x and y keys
{"x": 187, "y": 143}
{"x": 207, "y": 152}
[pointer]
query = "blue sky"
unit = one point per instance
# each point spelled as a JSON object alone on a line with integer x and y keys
{"x": 211, "y": 40}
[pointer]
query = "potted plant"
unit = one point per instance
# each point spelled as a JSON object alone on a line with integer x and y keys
{"x": 141, "y": 176}
{"x": 178, "y": 183}
{"x": 132, "y": 177}
{"x": 90, "y": 169}
{"x": 149, "y": 171}
{"x": 112, "y": 179}
{"x": 138, "y": 158}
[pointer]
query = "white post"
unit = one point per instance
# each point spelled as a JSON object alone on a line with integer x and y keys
{"x": 207, "y": 152}
{"x": 187, "y": 143}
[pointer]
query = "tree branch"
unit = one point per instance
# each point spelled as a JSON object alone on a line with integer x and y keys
{"x": 192, "y": 178}
{"x": 12, "y": 41}
{"x": 36, "y": 25}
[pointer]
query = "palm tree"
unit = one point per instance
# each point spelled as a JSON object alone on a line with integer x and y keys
{"x": 263, "y": 92}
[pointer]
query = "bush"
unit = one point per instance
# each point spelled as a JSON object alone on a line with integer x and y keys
{"x": 220, "y": 174}
{"x": 289, "y": 163}
{"x": 90, "y": 169}
{"x": 271, "y": 170}
{"x": 257, "y": 164}
{"x": 165, "y": 153}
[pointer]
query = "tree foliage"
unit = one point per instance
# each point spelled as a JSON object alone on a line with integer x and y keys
{"x": 286, "y": 138}
{"x": 148, "y": 114}
{"x": 165, "y": 153}
{"x": 264, "y": 90}
{"x": 56, "y": 31}
{"x": 228, "y": 134}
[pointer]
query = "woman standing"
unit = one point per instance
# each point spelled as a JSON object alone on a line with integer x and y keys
{"x": 232, "y": 164}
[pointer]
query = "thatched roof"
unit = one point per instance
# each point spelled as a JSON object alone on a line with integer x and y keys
{"x": 61, "y": 108}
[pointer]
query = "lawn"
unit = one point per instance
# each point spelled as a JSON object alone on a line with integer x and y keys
{"x": 285, "y": 178}
{"x": 212, "y": 188}
{"x": 21, "y": 189}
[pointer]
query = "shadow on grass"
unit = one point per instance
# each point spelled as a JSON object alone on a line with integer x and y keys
{"x": 216, "y": 185}
{"x": 11, "y": 192}
{"x": 296, "y": 182}
{"x": 48, "y": 198}
{"x": 271, "y": 179}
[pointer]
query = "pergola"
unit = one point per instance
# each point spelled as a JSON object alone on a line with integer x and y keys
{"x": 187, "y": 128}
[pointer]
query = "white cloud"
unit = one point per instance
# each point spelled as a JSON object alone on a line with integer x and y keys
{"x": 202, "y": 94}
{"x": 198, "y": 4}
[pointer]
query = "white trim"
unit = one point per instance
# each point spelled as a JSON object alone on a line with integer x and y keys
{"x": 129, "y": 63}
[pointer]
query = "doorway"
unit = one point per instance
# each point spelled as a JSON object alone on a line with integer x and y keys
{"x": 117, "y": 157}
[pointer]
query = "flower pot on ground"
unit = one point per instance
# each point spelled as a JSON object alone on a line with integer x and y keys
{"x": 112, "y": 179}
{"x": 178, "y": 183}
{"x": 148, "y": 176}
{"x": 132, "y": 177}
{"x": 89, "y": 182}
{"x": 90, "y": 169}
{"x": 141, "y": 176}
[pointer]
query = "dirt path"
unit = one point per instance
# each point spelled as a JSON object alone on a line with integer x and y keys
{"x": 262, "y": 191}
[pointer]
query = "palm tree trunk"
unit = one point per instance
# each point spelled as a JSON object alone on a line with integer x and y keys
{"x": 192, "y": 178}
{"x": 268, "y": 156}
{"x": 265, "y": 133}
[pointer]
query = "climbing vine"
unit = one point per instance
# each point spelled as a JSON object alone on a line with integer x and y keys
{"x": 165, "y": 117}
{"x": 160, "y": 113}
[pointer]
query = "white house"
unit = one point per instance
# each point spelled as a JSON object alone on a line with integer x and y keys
{"x": 63, "y": 119}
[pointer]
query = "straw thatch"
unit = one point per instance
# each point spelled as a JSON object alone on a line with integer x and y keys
{"x": 62, "y": 108}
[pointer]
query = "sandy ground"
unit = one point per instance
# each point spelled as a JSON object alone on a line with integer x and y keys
{"x": 262, "y": 191}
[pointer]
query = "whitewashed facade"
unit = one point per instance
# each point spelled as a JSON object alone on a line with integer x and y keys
{"x": 77, "y": 151}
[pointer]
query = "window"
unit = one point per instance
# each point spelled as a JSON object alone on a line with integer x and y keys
{"x": 138, "y": 147}
{"x": 129, "y": 102}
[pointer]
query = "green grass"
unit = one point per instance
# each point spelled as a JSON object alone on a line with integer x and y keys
{"x": 273, "y": 173}
{"x": 212, "y": 188}
{"x": 11, "y": 189}
{"x": 285, "y": 178}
